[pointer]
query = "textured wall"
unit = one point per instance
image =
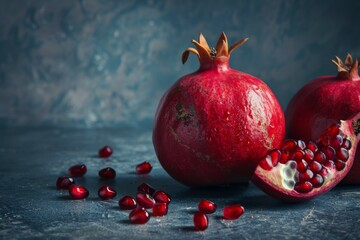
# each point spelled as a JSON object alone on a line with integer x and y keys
{"x": 106, "y": 63}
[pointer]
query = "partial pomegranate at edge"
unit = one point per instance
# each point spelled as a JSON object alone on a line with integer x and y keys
{"x": 324, "y": 101}
{"x": 212, "y": 126}
{"x": 289, "y": 180}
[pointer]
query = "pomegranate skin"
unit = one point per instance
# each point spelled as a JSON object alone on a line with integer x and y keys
{"x": 322, "y": 102}
{"x": 212, "y": 126}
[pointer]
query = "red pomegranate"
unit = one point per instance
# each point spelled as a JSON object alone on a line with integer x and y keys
{"x": 212, "y": 126}
{"x": 325, "y": 101}
{"x": 299, "y": 171}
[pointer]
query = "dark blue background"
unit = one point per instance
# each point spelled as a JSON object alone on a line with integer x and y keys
{"x": 107, "y": 63}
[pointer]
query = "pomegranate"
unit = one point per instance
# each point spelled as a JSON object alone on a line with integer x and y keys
{"x": 212, "y": 126}
{"x": 325, "y": 101}
{"x": 292, "y": 174}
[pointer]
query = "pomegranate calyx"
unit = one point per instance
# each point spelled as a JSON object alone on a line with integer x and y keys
{"x": 348, "y": 69}
{"x": 207, "y": 54}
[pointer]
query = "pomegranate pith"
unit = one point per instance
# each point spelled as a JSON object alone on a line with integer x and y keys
{"x": 105, "y": 152}
{"x": 233, "y": 212}
{"x": 64, "y": 183}
{"x": 201, "y": 221}
{"x": 212, "y": 126}
{"x": 127, "y": 203}
{"x": 143, "y": 168}
{"x": 106, "y": 193}
{"x": 77, "y": 170}
{"x": 296, "y": 179}
{"x": 206, "y": 206}
{"x": 324, "y": 101}
{"x": 78, "y": 192}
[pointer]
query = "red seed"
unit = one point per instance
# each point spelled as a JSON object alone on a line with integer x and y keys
{"x": 289, "y": 145}
{"x": 315, "y": 167}
{"x": 200, "y": 221}
{"x": 329, "y": 152}
{"x": 340, "y": 165}
{"x": 78, "y": 192}
{"x": 106, "y": 193}
{"x": 306, "y": 176}
{"x": 77, "y": 170}
{"x": 325, "y": 140}
{"x": 301, "y": 145}
{"x": 346, "y": 144}
{"x": 312, "y": 146}
{"x": 161, "y": 196}
{"x": 143, "y": 168}
{"x": 146, "y": 188}
{"x": 107, "y": 173}
{"x": 303, "y": 187}
{"x": 298, "y": 155}
{"x": 329, "y": 164}
{"x": 127, "y": 203}
{"x": 275, "y": 155}
{"x": 207, "y": 207}
{"x": 145, "y": 200}
{"x": 317, "y": 181}
{"x": 139, "y": 216}
{"x": 333, "y": 130}
{"x": 342, "y": 154}
{"x": 64, "y": 183}
{"x": 302, "y": 165}
{"x": 309, "y": 155}
{"x": 233, "y": 212}
{"x": 284, "y": 157}
{"x": 160, "y": 209}
{"x": 105, "y": 152}
{"x": 320, "y": 157}
{"x": 336, "y": 141}
{"x": 266, "y": 163}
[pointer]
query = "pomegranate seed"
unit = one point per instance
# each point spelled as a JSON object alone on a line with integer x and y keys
{"x": 139, "y": 216}
{"x": 233, "y": 212}
{"x": 284, "y": 157}
{"x": 106, "y": 193}
{"x": 289, "y": 145}
{"x": 107, "y": 173}
{"x": 329, "y": 164}
{"x": 302, "y": 165}
{"x": 320, "y": 157}
{"x": 161, "y": 196}
{"x": 346, "y": 144}
{"x": 317, "y": 181}
{"x": 160, "y": 209}
{"x": 146, "y": 188}
{"x": 275, "y": 155}
{"x": 303, "y": 187}
{"x": 340, "y": 165}
{"x": 143, "y": 168}
{"x": 337, "y": 141}
{"x": 127, "y": 203}
{"x": 78, "y": 192}
{"x": 309, "y": 155}
{"x": 207, "y": 207}
{"x": 315, "y": 166}
{"x": 342, "y": 154}
{"x": 333, "y": 130}
{"x": 200, "y": 221}
{"x": 145, "y": 200}
{"x": 312, "y": 146}
{"x": 301, "y": 145}
{"x": 266, "y": 163}
{"x": 325, "y": 140}
{"x": 329, "y": 152}
{"x": 64, "y": 183}
{"x": 306, "y": 176}
{"x": 298, "y": 155}
{"x": 105, "y": 152}
{"x": 77, "y": 170}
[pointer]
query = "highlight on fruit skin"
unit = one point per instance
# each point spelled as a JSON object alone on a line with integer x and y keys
{"x": 298, "y": 172}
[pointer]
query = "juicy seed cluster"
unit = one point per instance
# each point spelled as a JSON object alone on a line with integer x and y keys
{"x": 313, "y": 160}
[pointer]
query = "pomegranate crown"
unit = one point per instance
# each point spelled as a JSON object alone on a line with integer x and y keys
{"x": 348, "y": 69}
{"x": 206, "y": 53}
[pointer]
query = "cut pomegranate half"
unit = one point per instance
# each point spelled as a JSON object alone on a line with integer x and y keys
{"x": 302, "y": 175}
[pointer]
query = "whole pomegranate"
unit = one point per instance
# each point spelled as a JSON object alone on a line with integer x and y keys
{"x": 212, "y": 126}
{"x": 324, "y": 101}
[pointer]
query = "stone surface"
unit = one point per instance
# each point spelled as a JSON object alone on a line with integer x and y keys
{"x": 107, "y": 63}
{"x": 31, "y": 159}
